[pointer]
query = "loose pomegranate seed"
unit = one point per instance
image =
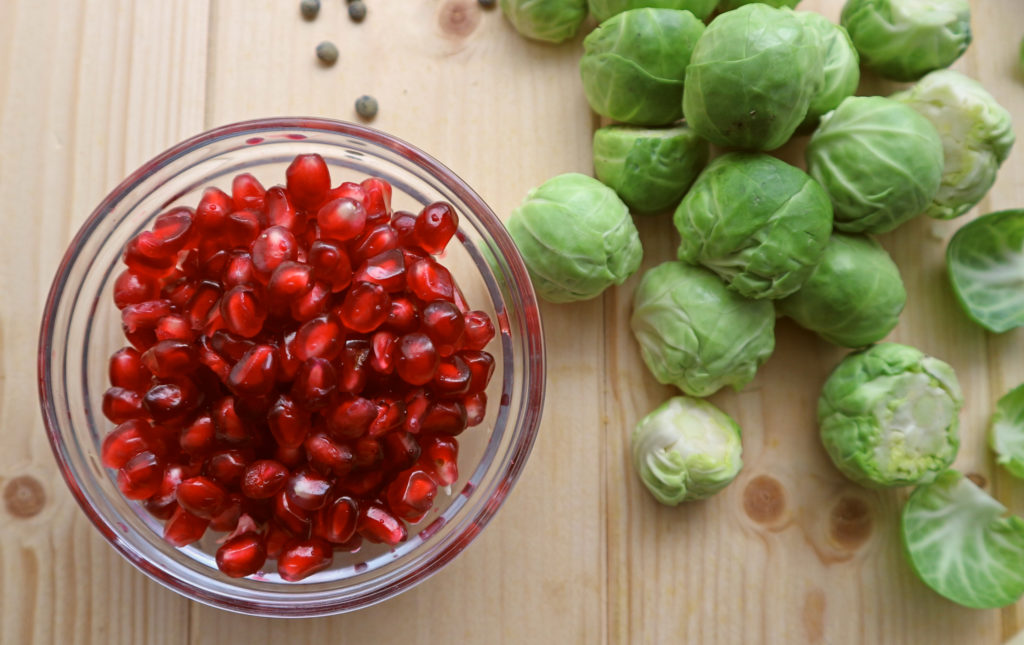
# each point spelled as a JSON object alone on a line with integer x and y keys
{"x": 247, "y": 192}
{"x": 179, "y": 292}
{"x": 401, "y": 450}
{"x": 289, "y": 281}
{"x": 321, "y": 337}
{"x": 331, "y": 264}
{"x": 212, "y": 211}
{"x": 354, "y": 359}
{"x": 308, "y": 181}
{"x": 239, "y": 269}
{"x": 452, "y": 378}
{"x": 479, "y": 330}
{"x": 174, "y": 327}
{"x": 144, "y": 315}
{"x": 241, "y": 229}
{"x": 428, "y": 280}
{"x": 141, "y": 476}
{"x": 300, "y": 559}
{"x": 351, "y": 417}
{"x": 279, "y": 210}
{"x": 311, "y": 304}
{"x": 202, "y": 497}
{"x": 350, "y": 190}
{"x": 169, "y": 358}
{"x": 229, "y": 425}
{"x": 314, "y": 383}
{"x": 382, "y": 355}
{"x": 288, "y": 362}
{"x": 307, "y": 489}
{"x": 255, "y": 373}
{"x": 481, "y": 367}
{"x": 411, "y": 494}
{"x": 362, "y": 484}
{"x": 163, "y": 504}
{"x": 379, "y": 526}
{"x": 445, "y": 417}
{"x": 229, "y": 345}
{"x": 404, "y": 224}
{"x": 199, "y": 437}
{"x": 386, "y": 269}
{"x": 264, "y": 478}
{"x": 184, "y": 528}
{"x": 125, "y": 441}
{"x": 403, "y": 316}
{"x": 168, "y": 402}
{"x": 435, "y": 225}
{"x": 440, "y": 459}
{"x": 227, "y": 519}
{"x": 368, "y": 452}
{"x": 416, "y": 360}
{"x": 241, "y": 556}
{"x": 365, "y": 308}
{"x": 341, "y": 220}
{"x": 290, "y": 516}
{"x": 274, "y": 539}
{"x": 242, "y": 311}
{"x": 212, "y": 360}
{"x": 373, "y": 241}
{"x": 336, "y": 522}
{"x": 390, "y": 415}
{"x": 444, "y": 324}
{"x": 133, "y": 288}
{"x": 288, "y": 422}
{"x": 476, "y": 408}
{"x": 121, "y": 404}
{"x": 227, "y": 466}
{"x": 417, "y": 402}
{"x": 275, "y": 245}
{"x": 378, "y": 198}
{"x": 327, "y": 455}
{"x": 205, "y": 300}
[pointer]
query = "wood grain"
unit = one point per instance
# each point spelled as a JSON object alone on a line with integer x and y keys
{"x": 789, "y": 553}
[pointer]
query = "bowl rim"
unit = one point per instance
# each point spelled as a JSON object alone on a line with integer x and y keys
{"x": 532, "y": 342}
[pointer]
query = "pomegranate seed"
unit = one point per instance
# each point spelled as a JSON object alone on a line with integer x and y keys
{"x": 311, "y": 304}
{"x": 404, "y": 316}
{"x": 321, "y": 337}
{"x": 368, "y": 452}
{"x": 212, "y": 211}
{"x": 386, "y": 269}
{"x": 289, "y": 281}
{"x": 351, "y": 417}
{"x": 243, "y": 313}
{"x": 144, "y": 315}
{"x": 279, "y": 210}
{"x": 255, "y": 373}
{"x": 288, "y": 422}
{"x": 141, "y": 476}
{"x": 300, "y": 559}
{"x": 404, "y": 224}
{"x": 341, "y": 220}
{"x": 227, "y": 466}
{"x": 179, "y": 293}
{"x": 440, "y": 458}
{"x": 331, "y": 264}
{"x": 362, "y": 484}
{"x": 205, "y": 301}
{"x": 202, "y": 497}
{"x": 390, "y": 415}
{"x": 378, "y": 198}
{"x": 350, "y": 190}
{"x": 481, "y": 367}
{"x": 169, "y": 358}
{"x": 351, "y": 545}
{"x": 354, "y": 359}
{"x": 452, "y": 378}
{"x": 445, "y": 326}
{"x": 314, "y": 383}
{"x": 239, "y": 270}
{"x": 247, "y": 192}
{"x": 212, "y": 360}
{"x": 288, "y": 362}
{"x": 229, "y": 425}
{"x": 435, "y": 226}
{"x": 328, "y": 455}
{"x": 308, "y": 181}
{"x": 382, "y": 356}
{"x": 228, "y": 345}
{"x": 133, "y": 288}
{"x": 227, "y": 519}
{"x": 199, "y": 437}
{"x": 241, "y": 556}
{"x": 125, "y": 441}
{"x": 121, "y": 404}
{"x": 416, "y": 360}
{"x": 479, "y": 330}
{"x": 445, "y": 417}
{"x": 373, "y": 241}
{"x": 163, "y": 504}
{"x": 417, "y": 402}
{"x": 476, "y": 408}
{"x": 275, "y": 245}
{"x": 184, "y": 528}
{"x": 336, "y": 522}
{"x": 411, "y": 494}
{"x": 379, "y": 526}
{"x": 174, "y": 327}
{"x": 274, "y": 539}
{"x": 264, "y": 479}
{"x": 241, "y": 229}
{"x": 290, "y": 516}
{"x": 400, "y": 450}
{"x": 291, "y": 456}
{"x": 168, "y": 402}
{"x": 428, "y": 280}
{"x": 307, "y": 489}
{"x": 365, "y": 308}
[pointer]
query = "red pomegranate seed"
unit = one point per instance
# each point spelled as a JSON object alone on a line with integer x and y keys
{"x": 404, "y": 224}
{"x": 373, "y": 241}
{"x": 229, "y": 345}
{"x": 179, "y": 292}
{"x": 435, "y": 226}
{"x": 133, "y": 288}
{"x": 341, "y": 220}
{"x": 241, "y": 556}
{"x": 386, "y": 269}
{"x": 321, "y": 337}
{"x": 227, "y": 519}
{"x": 229, "y": 425}
{"x": 279, "y": 210}
{"x": 331, "y": 264}
{"x": 378, "y": 198}
{"x": 445, "y": 417}
{"x": 288, "y": 422}
{"x": 275, "y": 245}
{"x": 329, "y": 456}
{"x": 401, "y": 450}
{"x": 288, "y": 362}
{"x": 127, "y": 371}
{"x": 479, "y": 330}
{"x": 382, "y": 355}
{"x": 417, "y": 402}
{"x": 293, "y": 518}
{"x": 174, "y": 327}
{"x": 264, "y": 478}
{"x": 350, "y": 190}
{"x": 247, "y": 192}
{"x": 274, "y": 539}
{"x": 365, "y": 308}
{"x": 481, "y": 367}
{"x": 351, "y": 545}
{"x": 199, "y": 438}
{"x": 366, "y": 483}
{"x": 205, "y": 301}
{"x": 240, "y": 229}
{"x": 184, "y": 528}
{"x": 121, "y": 404}
{"x": 476, "y": 408}
{"x": 308, "y": 181}
{"x": 379, "y": 526}
{"x": 290, "y": 456}
{"x": 170, "y": 358}
{"x": 411, "y": 494}
{"x": 368, "y": 452}
{"x": 452, "y": 378}
{"x": 227, "y": 467}
{"x": 168, "y": 402}
{"x": 311, "y": 304}
{"x": 202, "y": 497}
{"x": 255, "y": 373}
{"x": 353, "y": 371}
{"x": 314, "y": 383}
{"x": 403, "y": 316}
{"x": 351, "y": 417}
{"x": 444, "y": 324}
{"x": 336, "y": 522}
{"x": 307, "y": 489}
{"x": 144, "y": 315}
{"x": 212, "y": 211}
{"x": 239, "y": 270}
{"x": 143, "y": 257}
{"x": 416, "y": 359}
{"x": 289, "y": 281}
{"x": 300, "y": 559}
{"x": 163, "y": 504}
{"x": 390, "y": 415}
{"x": 214, "y": 361}
{"x": 428, "y": 280}
{"x": 125, "y": 441}
{"x": 171, "y": 231}
{"x": 141, "y": 476}
{"x": 440, "y": 458}
{"x": 242, "y": 311}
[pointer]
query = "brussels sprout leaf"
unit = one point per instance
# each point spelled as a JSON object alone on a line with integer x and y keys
{"x": 1006, "y": 431}
{"x": 985, "y": 260}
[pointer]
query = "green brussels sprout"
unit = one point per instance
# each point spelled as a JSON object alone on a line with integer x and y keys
{"x": 905, "y": 39}
{"x": 758, "y": 222}
{"x": 650, "y": 169}
{"x": 879, "y": 161}
{"x": 551, "y": 21}
{"x": 695, "y": 333}
{"x": 960, "y": 543}
{"x": 841, "y": 66}
{"x": 752, "y": 77}
{"x": 686, "y": 449}
{"x": 985, "y": 260}
{"x": 977, "y": 134}
{"x": 605, "y": 9}
{"x": 1006, "y": 431}
{"x": 854, "y": 297}
{"x": 729, "y": 5}
{"x": 634, "y": 63}
{"x": 888, "y": 416}
{"x": 576, "y": 237}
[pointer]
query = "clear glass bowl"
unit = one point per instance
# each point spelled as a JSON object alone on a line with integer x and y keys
{"x": 81, "y": 328}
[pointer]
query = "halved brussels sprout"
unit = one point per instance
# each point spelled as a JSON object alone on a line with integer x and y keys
{"x": 960, "y": 543}
{"x": 686, "y": 449}
{"x": 650, "y": 169}
{"x": 634, "y": 63}
{"x": 905, "y": 39}
{"x": 977, "y": 134}
{"x": 758, "y": 222}
{"x": 695, "y": 333}
{"x": 576, "y": 237}
{"x": 841, "y": 67}
{"x": 879, "y": 161}
{"x": 605, "y": 9}
{"x": 752, "y": 77}
{"x": 854, "y": 296}
{"x": 889, "y": 416}
{"x": 1006, "y": 431}
{"x": 551, "y": 21}
{"x": 985, "y": 260}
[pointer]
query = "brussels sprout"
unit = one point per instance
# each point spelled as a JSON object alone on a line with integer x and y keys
{"x": 841, "y": 66}
{"x": 888, "y": 416}
{"x": 634, "y": 64}
{"x": 879, "y": 161}
{"x": 576, "y": 237}
{"x": 1006, "y": 431}
{"x": 752, "y": 77}
{"x": 605, "y": 9}
{"x": 649, "y": 169}
{"x": 960, "y": 544}
{"x": 985, "y": 260}
{"x": 695, "y": 333}
{"x": 905, "y": 39}
{"x": 729, "y": 5}
{"x": 550, "y": 21}
{"x": 686, "y": 449}
{"x": 854, "y": 296}
{"x": 758, "y": 222}
{"x": 976, "y": 132}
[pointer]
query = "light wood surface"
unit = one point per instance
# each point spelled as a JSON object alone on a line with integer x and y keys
{"x": 789, "y": 553}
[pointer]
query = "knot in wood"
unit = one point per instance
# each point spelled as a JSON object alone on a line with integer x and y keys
{"x": 24, "y": 496}
{"x": 764, "y": 499}
{"x": 850, "y": 522}
{"x": 459, "y": 18}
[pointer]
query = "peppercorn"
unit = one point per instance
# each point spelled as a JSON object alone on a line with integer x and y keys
{"x": 327, "y": 52}
{"x": 357, "y": 11}
{"x": 487, "y": 4}
{"x": 366, "y": 106}
{"x": 309, "y": 8}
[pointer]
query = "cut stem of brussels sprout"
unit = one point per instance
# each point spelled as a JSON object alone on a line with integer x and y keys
{"x": 1006, "y": 431}
{"x": 985, "y": 260}
{"x": 960, "y": 544}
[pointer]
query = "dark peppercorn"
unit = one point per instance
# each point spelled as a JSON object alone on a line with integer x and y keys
{"x": 327, "y": 52}
{"x": 357, "y": 11}
{"x": 366, "y": 106}
{"x": 309, "y": 8}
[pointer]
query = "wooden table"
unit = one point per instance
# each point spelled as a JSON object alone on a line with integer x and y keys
{"x": 789, "y": 553}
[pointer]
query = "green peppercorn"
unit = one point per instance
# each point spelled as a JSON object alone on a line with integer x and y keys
{"x": 357, "y": 11}
{"x": 309, "y": 8}
{"x": 366, "y": 106}
{"x": 327, "y": 52}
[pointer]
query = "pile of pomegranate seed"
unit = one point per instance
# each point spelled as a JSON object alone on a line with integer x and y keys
{"x": 300, "y": 366}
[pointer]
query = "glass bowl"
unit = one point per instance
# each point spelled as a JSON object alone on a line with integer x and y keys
{"x": 81, "y": 328}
